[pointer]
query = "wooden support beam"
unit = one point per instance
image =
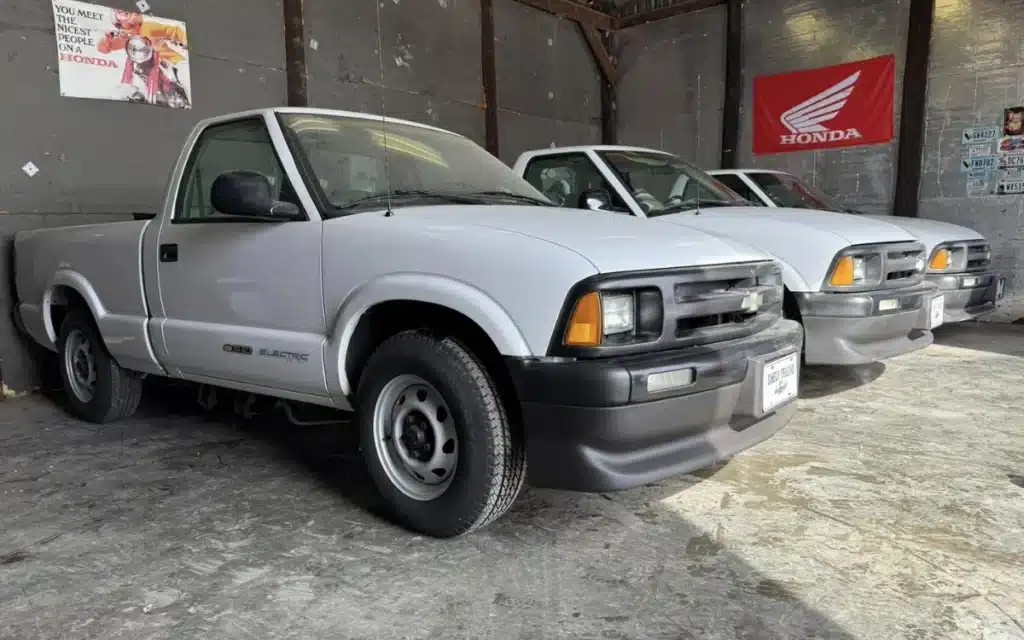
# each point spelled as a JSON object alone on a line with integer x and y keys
{"x": 601, "y": 55}
{"x": 295, "y": 54}
{"x": 731, "y": 105}
{"x": 670, "y": 11}
{"x": 488, "y": 65}
{"x": 912, "y": 109}
{"x": 573, "y": 11}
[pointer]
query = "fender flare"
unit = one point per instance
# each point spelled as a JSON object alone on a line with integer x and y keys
{"x": 77, "y": 282}
{"x": 445, "y": 291}
{"x": 791, "y": 277}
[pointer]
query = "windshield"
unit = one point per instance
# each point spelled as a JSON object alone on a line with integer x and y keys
{"x": 662, "y": 183}
{"x": 786, "y": 191}
{"x": 347, "y": 159}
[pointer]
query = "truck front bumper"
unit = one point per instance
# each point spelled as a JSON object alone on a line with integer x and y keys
{"x": 968, "y": 295}
{"x": 594, "y": 425}
{"x": 863, "y": 327}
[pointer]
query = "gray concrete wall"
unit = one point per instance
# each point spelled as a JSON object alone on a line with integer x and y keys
{"x": 431, "y": 60}
{"x": 662, "y": 61}
{"x": 789, "y": 36}
{"x": 673, "y": 84}
{"x": 88, "y": 151}
{"x": 549, "y": 91}
{"x": 977, "y": 70}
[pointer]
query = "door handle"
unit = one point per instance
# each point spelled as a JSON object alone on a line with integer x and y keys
{"x": 168, "y": 253}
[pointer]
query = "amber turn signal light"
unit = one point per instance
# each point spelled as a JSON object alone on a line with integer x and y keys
{"x": 940, "y": 260}
{"x": 584, "y": 328}
{"x": 842, "y": 275}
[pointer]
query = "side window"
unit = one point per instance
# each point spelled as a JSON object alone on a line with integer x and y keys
{"x": 244, "y": 145}
{"x": 737, "y": 184}
{"x": 563, "y": 179}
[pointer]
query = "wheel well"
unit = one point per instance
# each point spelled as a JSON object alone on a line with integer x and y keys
{"x": 62, "y": 300}
{"x": 386, "y": 319}
{"x": 790, "y": 307}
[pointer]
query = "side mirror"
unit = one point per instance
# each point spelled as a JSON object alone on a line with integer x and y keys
{"x": 595, "y": 200}
{"x": 248, "y": 194}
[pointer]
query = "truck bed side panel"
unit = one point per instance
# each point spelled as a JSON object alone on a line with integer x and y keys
{"x": 102, "y": 263}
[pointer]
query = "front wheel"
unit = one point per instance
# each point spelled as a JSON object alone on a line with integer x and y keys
{"x": 436, "y": 437}
{"x": 98, "y": 389}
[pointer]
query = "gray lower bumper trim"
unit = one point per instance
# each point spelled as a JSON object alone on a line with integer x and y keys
{"x": 858, "y": 328}
{"x": 967, "y": 295}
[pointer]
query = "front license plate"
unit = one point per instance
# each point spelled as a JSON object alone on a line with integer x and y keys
{"x": 937, "y": 311}
{"x": 780, "y": 382}
{"x": 1000, "y": 288}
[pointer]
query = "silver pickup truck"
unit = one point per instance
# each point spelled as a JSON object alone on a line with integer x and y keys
{"x": 959, "y": 259}
{"x": 856, "y": 284}
{"x": 400, "y": 271}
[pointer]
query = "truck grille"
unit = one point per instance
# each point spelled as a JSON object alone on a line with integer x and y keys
{"x": 979, "y": 257}
{"x": 722, "y": 303}
{"x": 966, "y": 256}
{"x": 903, "y": 264}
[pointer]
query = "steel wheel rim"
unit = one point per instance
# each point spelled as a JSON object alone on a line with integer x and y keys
{"x": 415, "y": 438}
{"x": 80, "y": 364}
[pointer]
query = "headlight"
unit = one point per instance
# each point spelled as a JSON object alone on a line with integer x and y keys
{"x": 139, "y": 49}
{"x": 617, "y": 313}
{"x": 615, "y": 317}
{"x": 948, "y": 259}
{"x": 856, "y": 269}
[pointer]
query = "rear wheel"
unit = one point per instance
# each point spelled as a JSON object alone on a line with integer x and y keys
{"x": 435, "y": 436}
{"x": 98, "y": 389}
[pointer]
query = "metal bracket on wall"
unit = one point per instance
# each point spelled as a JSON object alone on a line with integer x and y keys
{"x": 631, "y": 14}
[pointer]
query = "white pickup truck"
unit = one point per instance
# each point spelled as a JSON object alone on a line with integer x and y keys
{"x": 959, "y": 259}
{"x": 856, "y": 284}
{"x": 400, "y": 270}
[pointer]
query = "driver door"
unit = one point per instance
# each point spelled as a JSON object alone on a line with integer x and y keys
{"x": 240, "y": 301}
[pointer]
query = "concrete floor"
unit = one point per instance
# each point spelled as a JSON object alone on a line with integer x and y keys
{"x": 892, "y": 507}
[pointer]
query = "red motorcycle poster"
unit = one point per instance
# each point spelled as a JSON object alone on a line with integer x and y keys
{"x": 113, "y": 54}
{"x": 844, "y": 105}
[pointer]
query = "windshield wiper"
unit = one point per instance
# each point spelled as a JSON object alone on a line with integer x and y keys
{"x": 409, "y": 194}
{"x": 513, "y": 196}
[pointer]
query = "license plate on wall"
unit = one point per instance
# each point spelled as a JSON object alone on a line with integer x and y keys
{"x": 936, "y": 311}
{"x": 780, "y": 382}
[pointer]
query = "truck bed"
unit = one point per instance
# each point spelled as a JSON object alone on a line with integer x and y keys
{"x": 104, "y": 263}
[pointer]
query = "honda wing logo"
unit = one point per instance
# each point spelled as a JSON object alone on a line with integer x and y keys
{"x": 804, "y": 121}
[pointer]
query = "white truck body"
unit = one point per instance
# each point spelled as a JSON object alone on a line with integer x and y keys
{"x": 959, "y": 258}
{"x": 399, "y": 270}
{"x": 844, "y": 325}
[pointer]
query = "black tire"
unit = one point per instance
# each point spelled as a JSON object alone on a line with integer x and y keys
{"x": 491, "y": 467}
{"x": 117, "y": 392}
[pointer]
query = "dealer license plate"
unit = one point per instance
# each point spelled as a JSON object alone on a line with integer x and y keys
{"x": 780, "y": 381}
{"x": 937, "y": 311}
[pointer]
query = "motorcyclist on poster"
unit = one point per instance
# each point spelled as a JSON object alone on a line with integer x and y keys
{"x": 169, "y": 41}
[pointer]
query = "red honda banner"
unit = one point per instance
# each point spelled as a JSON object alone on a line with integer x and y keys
{"x": 840, "y": 106}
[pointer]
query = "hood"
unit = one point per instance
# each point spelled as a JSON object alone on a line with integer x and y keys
{"x": 931, "y": 232}
{"x": 804, "y": 241}
{"x": 612, "y": 242}
{"x": 854, "y": 229}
